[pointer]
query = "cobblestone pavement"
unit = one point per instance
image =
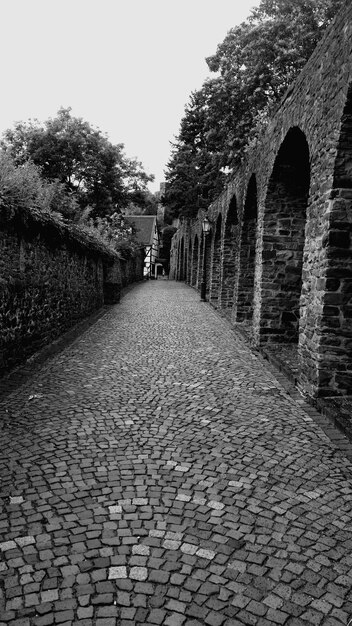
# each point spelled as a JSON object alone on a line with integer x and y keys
{"x": 156, "y": 472}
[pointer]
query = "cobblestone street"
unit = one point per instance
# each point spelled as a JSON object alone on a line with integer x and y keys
{"x": 155, "y": 472}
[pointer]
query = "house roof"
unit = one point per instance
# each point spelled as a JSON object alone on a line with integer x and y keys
{"x": 145, "y": 227}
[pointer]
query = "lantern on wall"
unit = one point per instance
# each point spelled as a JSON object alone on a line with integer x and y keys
{"x": 206, "y": 228}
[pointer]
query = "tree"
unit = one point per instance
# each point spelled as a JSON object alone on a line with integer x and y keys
{"x": 164, "y": 253}
{"x": 22, "y": 187}
{"x": 142, "y": 203}
{"x": 194, "y": 175}
{"x": 255, "y": 64}
{"x": 114, "y": 231}
{"x": 258, "y": 60}
{"x": 67, "y": 149}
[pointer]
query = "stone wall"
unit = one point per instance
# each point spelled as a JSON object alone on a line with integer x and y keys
{"x": 283, "y": 262}
{"x": 51, "y": 276}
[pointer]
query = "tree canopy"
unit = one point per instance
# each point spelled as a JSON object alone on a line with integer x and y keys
{"x": 253, "y": 67}
{"x": 70, "y": 152}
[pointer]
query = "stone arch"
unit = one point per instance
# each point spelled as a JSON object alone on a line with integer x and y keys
{"x": 215, "y": 263}
{"x": 229, "y": 266}
{"x": 195, "y": 262}
{"x": 283, "y": 240}
{"x": 335, "y": 362}
{"x": 245, "y": 289}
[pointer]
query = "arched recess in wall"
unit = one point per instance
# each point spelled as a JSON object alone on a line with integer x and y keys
{"x": 215, "y": 263}
{"x": 283, "y": 240}
{"x": 336, "y": 356}
{"x": 229, "y": 266}
{"x": 245, "y": 290}
{"x": 195, "y": 260}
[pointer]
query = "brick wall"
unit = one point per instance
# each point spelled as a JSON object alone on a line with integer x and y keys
{"x": 285, "y": 261}
{"x": 50, "y": 278}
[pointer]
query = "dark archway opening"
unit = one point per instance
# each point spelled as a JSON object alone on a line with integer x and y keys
{"x": 283, "y": 240}
{"x": 245, "y": 292}
{"x": 229, "y": 268}
{"x": 215, "y": 264}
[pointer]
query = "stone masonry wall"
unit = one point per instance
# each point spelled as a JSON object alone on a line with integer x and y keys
{"x": 49, "y": 280}
{"x": 285, "y": 267}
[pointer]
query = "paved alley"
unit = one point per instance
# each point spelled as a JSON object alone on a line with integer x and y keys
{"x": 156, "y": 472}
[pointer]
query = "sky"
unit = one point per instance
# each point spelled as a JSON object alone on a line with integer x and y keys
{"x": 127, "y": 67}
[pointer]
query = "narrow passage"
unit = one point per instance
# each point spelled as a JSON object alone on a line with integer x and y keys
{"x": 156, "y": 472}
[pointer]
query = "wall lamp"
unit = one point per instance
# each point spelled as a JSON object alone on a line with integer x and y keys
{"x": 206, "y": 228}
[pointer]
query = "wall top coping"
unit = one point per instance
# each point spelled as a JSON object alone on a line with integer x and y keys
{"x": 53, "y": 229}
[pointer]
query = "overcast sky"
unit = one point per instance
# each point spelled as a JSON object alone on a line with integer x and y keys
{"x": 126, "y": 66}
